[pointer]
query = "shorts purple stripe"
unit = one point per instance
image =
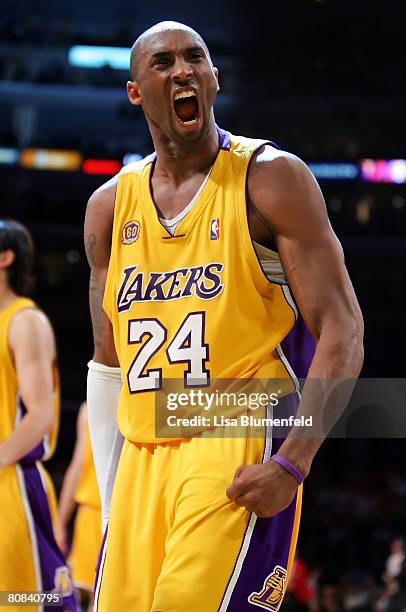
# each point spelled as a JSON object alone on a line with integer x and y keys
{"x": 268, "y": 549}
{"x": 262, "y": 578}
{"x": 269, "y": 546}
{"x": 99, "y": 568}
{"x": 100, "y": 556}
{"x": 38, "y": 452}
{"x": 54, "y": 571}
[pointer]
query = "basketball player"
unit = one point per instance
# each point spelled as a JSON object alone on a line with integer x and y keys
{"x": 80, "y": 487}
{"x": 30, "y": 559}
{"x": 192, "y": 253}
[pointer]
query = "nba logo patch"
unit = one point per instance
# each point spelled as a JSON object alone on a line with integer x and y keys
{"x": 215, "y": 229}
{"x": 130, "y": 233}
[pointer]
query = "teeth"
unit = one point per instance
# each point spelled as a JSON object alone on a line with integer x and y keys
{"x": 192, "y": 122}
{"x": 184, "y": 94}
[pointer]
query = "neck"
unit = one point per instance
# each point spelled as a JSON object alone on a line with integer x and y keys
{"x": 178, "y": 160}
{"x": 6, "y": 294}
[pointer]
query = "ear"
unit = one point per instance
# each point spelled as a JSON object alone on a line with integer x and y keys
{"x": 6, "y": 258}
{"x": 216, "y": 74}
{"x": 133, "y": 93}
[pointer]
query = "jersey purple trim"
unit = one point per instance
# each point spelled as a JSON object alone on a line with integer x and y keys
{"x": 299, "y": 347}
{"x": 224, "y": 139}
{"x": 38, "y": 452}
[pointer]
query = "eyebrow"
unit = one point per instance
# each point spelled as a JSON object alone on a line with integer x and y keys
{"x": 160, "y": 54}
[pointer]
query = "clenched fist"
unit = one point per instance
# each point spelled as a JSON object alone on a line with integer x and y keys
{"x": 264, "y": 488}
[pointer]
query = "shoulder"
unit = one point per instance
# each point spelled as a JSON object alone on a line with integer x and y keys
{"x": 30, "y": 327}
{"x": 103, "y": 198}
{"x": 99, "y": 223}
{"x": 278, "y": 170}
{"x": 280, "y": 185}
{"x": 31, "y": 318}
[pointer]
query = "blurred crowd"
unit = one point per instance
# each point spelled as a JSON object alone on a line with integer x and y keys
{"x": 303, "y": 47}
{"x": 359, "y": 592}
{"x": 351, "y": 549}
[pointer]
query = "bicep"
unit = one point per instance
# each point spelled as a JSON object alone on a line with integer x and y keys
{"x": 291, "y": 201}
{"x": 103, "y": 339}
{"x": 318, "y": 277}
{"x": 104, "y": 350}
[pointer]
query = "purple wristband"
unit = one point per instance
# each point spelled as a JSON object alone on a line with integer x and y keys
{"x": 293, "y": 471}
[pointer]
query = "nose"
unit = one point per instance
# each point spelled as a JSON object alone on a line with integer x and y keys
{"x": 182, "y": 70}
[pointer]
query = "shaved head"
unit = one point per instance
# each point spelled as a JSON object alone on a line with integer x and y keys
{"x": 159, "y": 28}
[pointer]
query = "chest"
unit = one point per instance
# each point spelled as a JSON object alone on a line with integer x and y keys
{"x": 171, "y": 199}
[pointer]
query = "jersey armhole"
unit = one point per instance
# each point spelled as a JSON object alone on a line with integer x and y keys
{"x": 242, "y": 217}
{"x": 109, "y": 288}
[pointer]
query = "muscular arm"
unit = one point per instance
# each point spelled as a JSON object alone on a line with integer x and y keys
{"x": 104, "y": 380}
{"x": 97, "y": 237}
{"x": 32, "y": 346}
{"x": 289, "y": 202}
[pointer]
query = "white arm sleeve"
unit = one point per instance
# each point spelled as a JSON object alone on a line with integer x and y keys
{"x": 103, "y": 390}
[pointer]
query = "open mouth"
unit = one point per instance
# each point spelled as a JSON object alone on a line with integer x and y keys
{"x": 186, "y": 106}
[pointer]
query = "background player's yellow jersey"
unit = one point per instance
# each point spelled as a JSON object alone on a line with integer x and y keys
{"x": 87, "y": 490}
{"x": 11, "y": 404}
{"x": 195, "y": 306}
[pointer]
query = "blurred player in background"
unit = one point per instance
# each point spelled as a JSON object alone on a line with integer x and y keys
{"x": 30, "y": 559}
{"x": 80, "y": 487}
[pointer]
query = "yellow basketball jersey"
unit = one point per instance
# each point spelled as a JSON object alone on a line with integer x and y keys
{"x": 195, "y": 306}
{"x": 87, "y": 491}
{"x": 11, "y": 404}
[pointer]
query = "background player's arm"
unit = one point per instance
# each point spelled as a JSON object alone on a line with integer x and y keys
{"x": 32, "y": 347}
{"x": 72, "y": 476}
{"x": 290, "y": 202}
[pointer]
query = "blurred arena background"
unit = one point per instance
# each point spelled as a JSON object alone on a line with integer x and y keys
{"x": 324, "y": 79}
